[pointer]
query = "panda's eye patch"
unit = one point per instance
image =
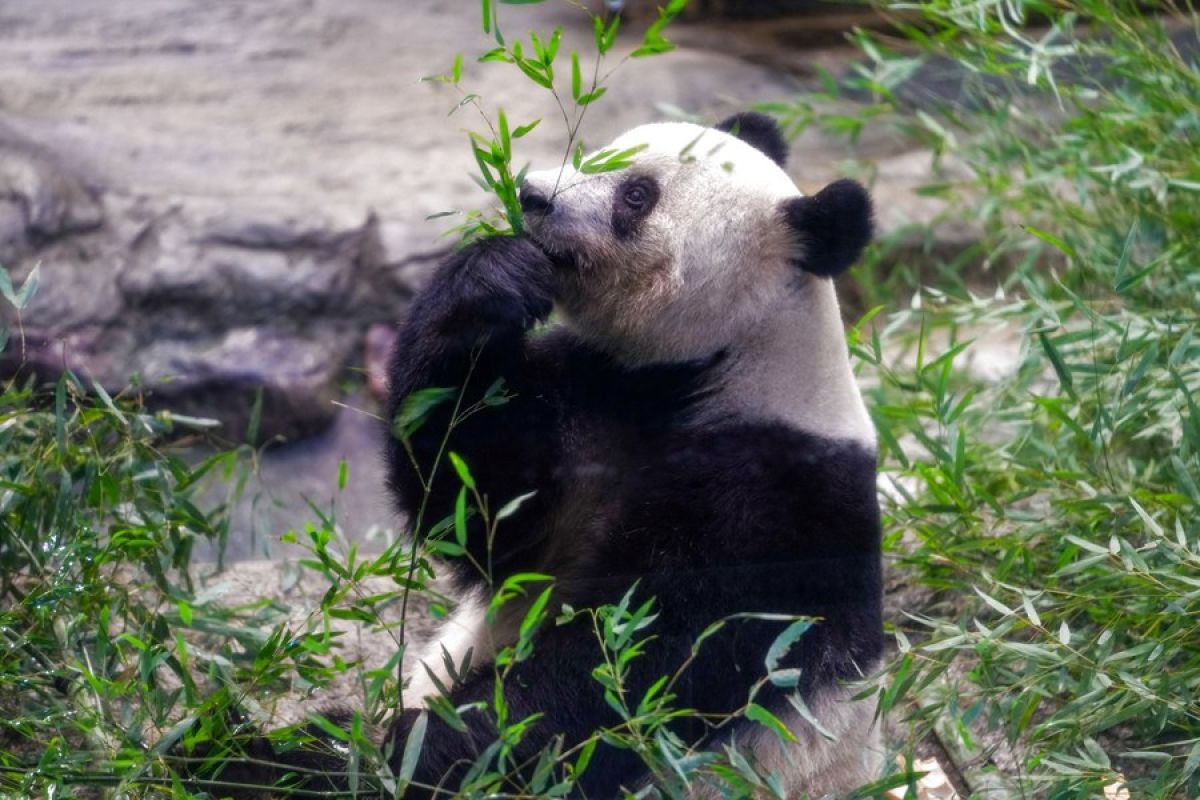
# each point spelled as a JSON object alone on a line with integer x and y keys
{"x": 633, "y": 201}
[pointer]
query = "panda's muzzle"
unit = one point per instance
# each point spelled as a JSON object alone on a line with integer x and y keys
{"x": 542, "y": 228}
{"x": 533, "y": 201}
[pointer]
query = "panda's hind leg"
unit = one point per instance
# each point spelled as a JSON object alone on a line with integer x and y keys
{"x": 814, "y": 766}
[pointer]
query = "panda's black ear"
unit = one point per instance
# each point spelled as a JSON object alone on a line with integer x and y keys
{"x": 833, "y": 226}
{"x": 759, "y": 131}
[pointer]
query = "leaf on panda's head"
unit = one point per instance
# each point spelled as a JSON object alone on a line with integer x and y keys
{"x": 610, "y": 160}
{"x": 833, "y": 226}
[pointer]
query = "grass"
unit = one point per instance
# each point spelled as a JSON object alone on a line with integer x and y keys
{"x": 1051, "y": 513}
{"x": 1042, "y": 520}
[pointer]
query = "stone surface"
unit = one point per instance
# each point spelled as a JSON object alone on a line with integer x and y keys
{"x": 295, "y": 595}
{"x": 900, "y": 208}
{"x": 40, "y": 199}
{"x": 289, "y": 476}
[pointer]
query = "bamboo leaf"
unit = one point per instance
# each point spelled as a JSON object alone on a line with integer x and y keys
{"x": 416, "y": 408}
{"x": 524, "y": 129}
{"x": 763, "y": 717}
{"x": 576, "y": 76}
{"x": 1052, "y": 240}
{"x": 511, "y": 507}
{"x": 460, "y": 518}
{"x": 413, "y": 744}
{"x": 797, "y": 702}
{"x": 464, "y": 474}
{"x": 505, "y": 137}
{"x": 783, "y": 643}
{"x": 1060, "y": 367}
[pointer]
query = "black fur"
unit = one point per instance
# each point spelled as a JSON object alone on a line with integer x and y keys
{"x": 712, "y": 519}
{"x": 760, "y": 131}
{"x": 534, "y": 202}
{"x": 834, "y": 226}
{"x": 629, "y": 210}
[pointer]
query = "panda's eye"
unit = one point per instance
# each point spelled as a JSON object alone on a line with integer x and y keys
{"x": 636, "y": 196}
{"x": 632, "y": 202}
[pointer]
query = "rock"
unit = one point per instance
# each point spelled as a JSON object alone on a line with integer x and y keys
{"x": 205, "y": 312}
{"x": 254, "y": 271}
{"x": 297, "y": 375}
{"x": 732, "y": 9}
{"x": 901, "y": 208}
{"x": 40, "y": 199}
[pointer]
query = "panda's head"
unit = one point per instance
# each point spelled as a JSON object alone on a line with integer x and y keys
{"x": 682, "y": 251}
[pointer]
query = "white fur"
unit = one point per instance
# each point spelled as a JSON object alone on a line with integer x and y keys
{"x": 795, "y": 368}
{"x": 466, "y": 629}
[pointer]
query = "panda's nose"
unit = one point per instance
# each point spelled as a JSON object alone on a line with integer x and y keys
{"x": 533, "y": 201}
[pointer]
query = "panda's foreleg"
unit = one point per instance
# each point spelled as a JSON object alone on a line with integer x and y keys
{"x": 465, "y": 335}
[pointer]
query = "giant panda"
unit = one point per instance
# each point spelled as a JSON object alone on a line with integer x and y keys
{"x": 689, "y": 422}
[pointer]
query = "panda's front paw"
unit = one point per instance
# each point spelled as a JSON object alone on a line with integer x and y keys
{"x": 504, "y": 281}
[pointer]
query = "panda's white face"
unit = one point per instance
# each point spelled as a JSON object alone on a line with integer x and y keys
{"x": 674, "y": 256}
{"x": 703, "y": 245}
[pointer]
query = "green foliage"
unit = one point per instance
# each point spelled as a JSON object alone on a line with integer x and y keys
{"x": 97, "y": 526}
{"x": 536, "y": 58}
{"x": 1051, "y": 513}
